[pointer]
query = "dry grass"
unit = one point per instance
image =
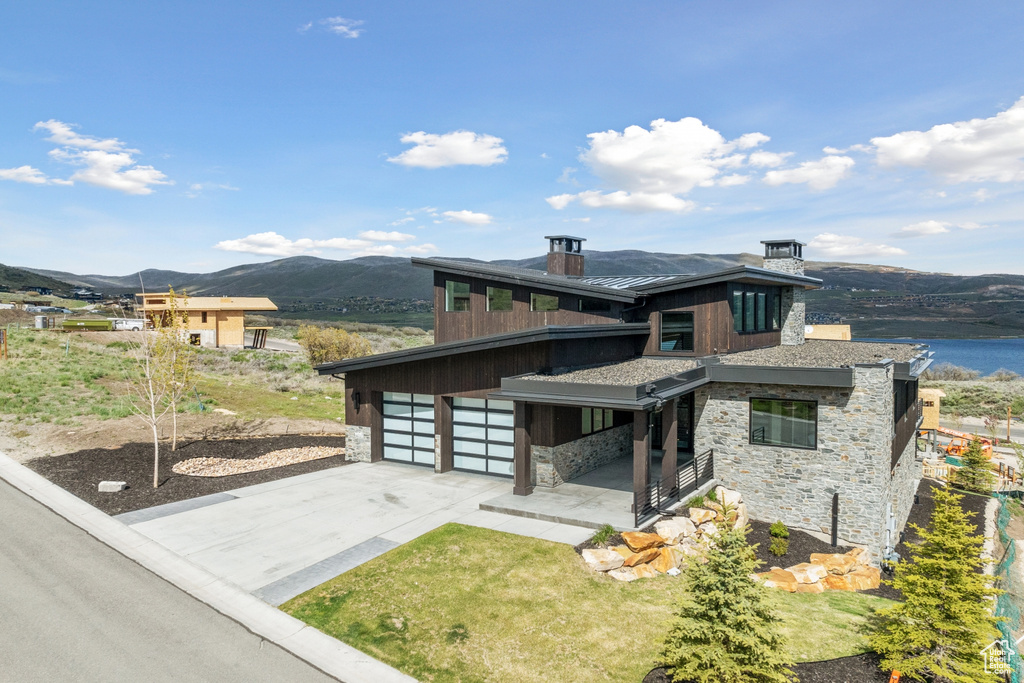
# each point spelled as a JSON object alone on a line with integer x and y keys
{"x": 468, "y": 604}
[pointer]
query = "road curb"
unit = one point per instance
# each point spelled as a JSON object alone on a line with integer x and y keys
{"x": 331, "y": 656}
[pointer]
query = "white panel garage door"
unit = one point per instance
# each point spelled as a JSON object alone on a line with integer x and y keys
{"x": 409, "y": 428}
{"x": 483, "y": 436}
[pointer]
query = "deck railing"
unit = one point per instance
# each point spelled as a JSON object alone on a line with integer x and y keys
{"x": 905, "y": 429}
{"x": 688, "y": 477}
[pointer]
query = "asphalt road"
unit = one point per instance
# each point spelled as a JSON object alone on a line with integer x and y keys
{"x": 73, "y": 609}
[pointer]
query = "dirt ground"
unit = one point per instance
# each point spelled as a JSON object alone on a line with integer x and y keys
{"x": 23, "y": 443}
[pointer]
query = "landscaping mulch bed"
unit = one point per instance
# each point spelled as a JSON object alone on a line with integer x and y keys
{"x": 81, "y": 472}
{"x": 856, "y": 669}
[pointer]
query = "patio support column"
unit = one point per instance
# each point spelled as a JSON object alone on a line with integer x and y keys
{"x": 376, "y": 408}
{"x": 669, "y": 446}
{"x": 641, "y": 450}
{"x": 444, "y": 458}
{"x": 523, "y": 479}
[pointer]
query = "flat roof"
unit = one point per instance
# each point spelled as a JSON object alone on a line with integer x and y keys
{"x": 210, "y": 303}
{"x": 825, "y": 353}
{"x": 627, "y": 373}
{"x": 491, "y": 341}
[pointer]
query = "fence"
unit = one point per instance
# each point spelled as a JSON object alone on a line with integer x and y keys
{"x": 688, "y": 477}
{"x": 1010, "y": 582}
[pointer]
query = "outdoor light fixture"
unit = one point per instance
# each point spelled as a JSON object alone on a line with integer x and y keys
{"x": 355, "y": 400}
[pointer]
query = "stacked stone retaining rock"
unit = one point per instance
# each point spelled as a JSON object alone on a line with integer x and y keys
{"x": 554, "y": 465}
{"x": 849, "y": 571}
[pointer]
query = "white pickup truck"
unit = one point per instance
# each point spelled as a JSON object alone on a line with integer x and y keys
{"x": 133, "y": 324}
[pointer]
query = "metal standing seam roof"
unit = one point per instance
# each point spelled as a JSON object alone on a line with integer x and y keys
{"x": 628, "y": 281}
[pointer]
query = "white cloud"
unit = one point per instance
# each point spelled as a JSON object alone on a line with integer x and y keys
{"x": 459, "y": 148}
{"x": 401, "y": 221}
{"x": 978, "y": 150}
{"x": 842, "y": 246}
{"x": 733, "y": 179}
{"x": 24, "y": 174}
{"x": 769, "y": 159}
{"x": 381, "y": 236}
{"x": 624, "y": 201}
{"x": 305, "y": 27}
{"x": 833, "y": 150}
{"x": 924, "y": 228}
{"x": 981, "y": 195}
{"x": 468, "y": 217}
{"x": 971, "y": 226}
{"x": 672, "y": 157}
{"x": 819, "y": 175}
{"x": 64, "y": 134}
{"x": 346, "y": 28}
{"x": 420, "y": 249}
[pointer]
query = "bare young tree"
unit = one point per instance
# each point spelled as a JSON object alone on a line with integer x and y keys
{"x": 176, "y": 356}
{"x": 147, "y": 387}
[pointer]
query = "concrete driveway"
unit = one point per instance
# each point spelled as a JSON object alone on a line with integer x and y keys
{"x": 279, "y": 539}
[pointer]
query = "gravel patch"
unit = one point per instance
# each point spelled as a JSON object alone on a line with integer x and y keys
{"x": 223, "y": 467}
{"x": 816, "y": 353}
{"x": 629, "y": 373}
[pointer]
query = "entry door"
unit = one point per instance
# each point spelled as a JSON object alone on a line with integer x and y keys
{"x": 483, "y": 436}
{"x": 409, "y": 428}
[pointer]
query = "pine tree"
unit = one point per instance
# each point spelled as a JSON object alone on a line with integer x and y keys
{"x": 938, "y": 632}
{"x": 976, "y": 473}
{"x": 726, "y": 630}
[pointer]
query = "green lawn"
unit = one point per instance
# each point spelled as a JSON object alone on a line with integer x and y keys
{"x": 468, "y": 604}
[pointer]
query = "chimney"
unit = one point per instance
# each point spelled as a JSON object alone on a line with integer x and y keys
{"x": 787, "y": 256}
{"x": 564, "y": 257}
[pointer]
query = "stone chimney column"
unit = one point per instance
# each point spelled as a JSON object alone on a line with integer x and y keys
{"x": 787, "y": 256}
{"x": 564, "y": 257}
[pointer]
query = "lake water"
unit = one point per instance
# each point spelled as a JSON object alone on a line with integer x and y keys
{"x": 983, "y": 355}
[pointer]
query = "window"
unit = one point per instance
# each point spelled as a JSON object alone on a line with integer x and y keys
{"x": 204, "y": 316}
{"x": 776, "y": 422}
{"x": 755, "y": 308}
{"x": 597, "y": 420}
{"x": 595, "y": 306}
{"x": 929, "y": 404}
{"x": 677, "y": 331}
{"x": 499, "y": 299}
{"x": 543, "y": 302}
{"x": 456, "y": 296}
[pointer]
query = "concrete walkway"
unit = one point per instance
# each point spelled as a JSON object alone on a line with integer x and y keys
{"x": 279, "y": 539}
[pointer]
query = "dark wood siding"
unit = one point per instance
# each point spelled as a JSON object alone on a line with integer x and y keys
{"x": 478, "y": 321}
{"x": 555, "y": 425}
{"x": 712, "y": 323}
{"x": 477, "y": 373}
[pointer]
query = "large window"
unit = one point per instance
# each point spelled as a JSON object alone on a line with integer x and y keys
{"x": 543, "y": 302}
{"x": 595, "y": 306}
{"x": 776, "y": 422}
{"x": 499, "y": 299}
{"x": 755, "y": 308}
{"x": 677, "y": 332}
{"x": 456, "y": 296}
{"x": 597, "y": 419}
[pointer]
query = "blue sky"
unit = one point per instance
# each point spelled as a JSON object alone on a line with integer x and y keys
{"x": 196, "y": 136}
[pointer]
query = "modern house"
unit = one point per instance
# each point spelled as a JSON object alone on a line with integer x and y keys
{"x": 542, "y": 377}
{"x": 217, "y": 321}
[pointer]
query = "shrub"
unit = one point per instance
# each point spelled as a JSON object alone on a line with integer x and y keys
{"x": 950, "y": 373}
{"x": 712, "y": 496}
{"x": 976, "y": 473}
{"x": 779, "y": 530}
{"x": 603, "y": 534}
{"x": 726, "y": 628}
{"x": 779, "y": 546}
{"x": 1003, "y": 375}
{"x": 698, "y": 502}
{"x": 324, "y": 344}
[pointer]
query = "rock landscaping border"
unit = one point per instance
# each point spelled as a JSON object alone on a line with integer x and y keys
{"x": 224, "y": 467}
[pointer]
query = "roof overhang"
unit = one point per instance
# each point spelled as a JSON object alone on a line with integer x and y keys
{"x": 745, "y": 274}
{"x": 485, "y": 343}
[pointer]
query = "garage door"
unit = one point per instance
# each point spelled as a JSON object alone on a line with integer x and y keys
{"x": 409, "y": 428}
{"x": 483, "y": 436}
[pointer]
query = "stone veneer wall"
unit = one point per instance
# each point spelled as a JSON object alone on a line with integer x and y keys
{"x": 357, "y": 443}
{"x": 903, "y": 485}
{"x": 554, "y": 465}
{"x": 853, "y": 457}
{"x": 794, "y": 309}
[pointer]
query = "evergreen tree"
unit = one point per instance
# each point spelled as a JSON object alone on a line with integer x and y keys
{"x": 938, "y": 632}
{"x": 726, "y": 630}
{"x": 976, "y": 473}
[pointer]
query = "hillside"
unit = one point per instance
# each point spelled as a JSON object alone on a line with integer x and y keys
{"x": 17, "y": 278}
{"x": 876, "y": 300}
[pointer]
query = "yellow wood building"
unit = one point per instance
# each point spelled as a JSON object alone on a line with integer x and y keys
{"x": 931, "y": 400}
{"x": 212, "y": 320}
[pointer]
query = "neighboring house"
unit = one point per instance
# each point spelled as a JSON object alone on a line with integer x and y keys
{"x": 212, "y": 320}
{"x": 543, "y": 377}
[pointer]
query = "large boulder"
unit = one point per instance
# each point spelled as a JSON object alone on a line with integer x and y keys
{"x": 601, "y": 559}
{"x": 861, "y": 556}
{"x": 668, "y": 558}
{"x": 689, "y": 547}
{"x": 717, "y": 509}
{"x": 837, "y": 563}
{"x": 864, "y": 579}
{"x": 779, "y": 578}
{"x": 818, "y": 587}
{"x": 699, "y": 516}
{"x": 728, "y": 496}
{"x": 638, "y": 540}
{"x": 742, "y": 517}
{"x": 805, "y": 572}
{"x": 837, "y": 582}
{"x": 708, "y": 530}
{"x": 642, "y": 557}
{"x": 644, "y": 571}
{"x": 622, "y": 550}
{"x": 675, "y": 528}
{"x": 626, "y": 574}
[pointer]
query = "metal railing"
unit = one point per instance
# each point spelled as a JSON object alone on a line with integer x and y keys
{"x": 688, "y": 477}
